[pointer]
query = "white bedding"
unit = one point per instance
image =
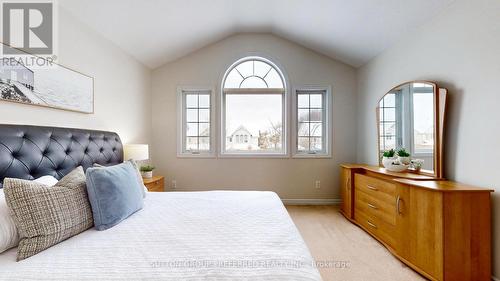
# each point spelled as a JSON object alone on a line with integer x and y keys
{"x": 217, "y": 235}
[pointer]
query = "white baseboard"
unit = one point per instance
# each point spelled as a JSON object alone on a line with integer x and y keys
{"x": 311, "y": 201}
{"x": 495, "y": 278}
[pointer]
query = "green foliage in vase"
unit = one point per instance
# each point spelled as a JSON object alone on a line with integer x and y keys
{"x": 147, "y": 168}
{"x": 389, "y": 153}
{"x": 403, "y": 153}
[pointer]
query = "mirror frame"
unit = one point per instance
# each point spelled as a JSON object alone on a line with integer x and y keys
{"x": 439, "y": 114}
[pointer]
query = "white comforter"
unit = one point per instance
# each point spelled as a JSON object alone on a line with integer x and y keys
{"x": 217, "y": 235}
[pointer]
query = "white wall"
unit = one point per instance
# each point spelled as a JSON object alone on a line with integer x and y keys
{"x": 122, "y": 87}
{"x": 290, "y": 178}
{"x": 460, "y": 49}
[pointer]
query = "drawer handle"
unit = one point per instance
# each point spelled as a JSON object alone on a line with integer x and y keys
{"x": 398, "y": 205}
{"x": 371, "y": 224}
{"x": 372, "y": 187}
{"x": 372, "y": 206}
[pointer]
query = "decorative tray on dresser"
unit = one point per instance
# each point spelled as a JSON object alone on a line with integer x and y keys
{"x": 440, "y": 228}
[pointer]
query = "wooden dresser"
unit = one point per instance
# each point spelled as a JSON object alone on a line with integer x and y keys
{"x": 441, "y": 229}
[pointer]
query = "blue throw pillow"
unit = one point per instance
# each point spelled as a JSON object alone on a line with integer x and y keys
{"x": 114, "y": 194}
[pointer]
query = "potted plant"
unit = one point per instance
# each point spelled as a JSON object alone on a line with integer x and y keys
{"x": 404, "y": 156}
{"x": 417, "y": 164}
{"x": 147, "y": 171}
{"x": 388, "y": 157}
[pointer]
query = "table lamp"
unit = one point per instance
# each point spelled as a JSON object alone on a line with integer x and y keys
{"x": 137, "y": 152}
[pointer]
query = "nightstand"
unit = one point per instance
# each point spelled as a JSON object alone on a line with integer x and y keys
{"x": 155, "y": 184}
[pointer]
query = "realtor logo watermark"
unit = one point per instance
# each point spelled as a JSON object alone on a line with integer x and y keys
{"x": 29, "y": 28}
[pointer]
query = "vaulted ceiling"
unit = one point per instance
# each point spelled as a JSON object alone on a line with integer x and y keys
{"x": 159, "y": 31}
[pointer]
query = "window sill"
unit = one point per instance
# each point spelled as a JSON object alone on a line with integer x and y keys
{"x": 311, "y": 156}
{"x": 192, "y": 155}
{"x": 422, "y": 154}
{"x": 253, "y": 155}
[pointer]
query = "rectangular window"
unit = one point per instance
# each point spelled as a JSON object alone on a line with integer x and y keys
{"x": 196, "y": 122}
{"x": 312, "y": 126}
{"x": 253, "y": 122}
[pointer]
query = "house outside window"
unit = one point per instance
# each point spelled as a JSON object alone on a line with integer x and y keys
{"x": 254, "y": 110}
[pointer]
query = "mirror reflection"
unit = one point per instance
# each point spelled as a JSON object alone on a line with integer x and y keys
{"x": 407, "y": 121}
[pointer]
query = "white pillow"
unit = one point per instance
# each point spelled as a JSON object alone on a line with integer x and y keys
{"x": 47, "y": 180}
{"x": 9, "y": 238}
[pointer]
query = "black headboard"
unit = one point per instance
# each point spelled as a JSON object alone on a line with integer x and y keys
{"x": 29, "y": 152}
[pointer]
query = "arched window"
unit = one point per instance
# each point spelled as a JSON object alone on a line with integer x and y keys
{"x": 254, "y": 100}
{"x": 253, "y": 74}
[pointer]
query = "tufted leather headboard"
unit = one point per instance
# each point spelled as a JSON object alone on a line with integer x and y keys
{"x": 29, "y": 152}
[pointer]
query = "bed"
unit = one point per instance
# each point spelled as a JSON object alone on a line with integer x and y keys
{"x": 215, "y": 235}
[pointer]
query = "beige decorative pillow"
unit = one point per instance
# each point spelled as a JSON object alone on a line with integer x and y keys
{"x": 46, "y": 216}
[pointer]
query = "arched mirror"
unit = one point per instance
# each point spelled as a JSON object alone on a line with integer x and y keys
{"x": 410, "y": 119}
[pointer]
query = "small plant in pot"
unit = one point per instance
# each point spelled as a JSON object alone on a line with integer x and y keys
{"x": 147, "y": 171}
{"x": 388, "y": 157}
{"x": 404, "y": 156}
{"x": 417, "y": 164}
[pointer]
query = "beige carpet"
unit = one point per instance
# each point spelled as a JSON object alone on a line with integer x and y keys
{"x": 346, "y": 251}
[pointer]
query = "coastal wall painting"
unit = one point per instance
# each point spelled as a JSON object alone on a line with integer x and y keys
{"x": 35, "y": 80}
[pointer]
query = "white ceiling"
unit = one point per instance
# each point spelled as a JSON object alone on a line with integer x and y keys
{"x": 158, "y": 31}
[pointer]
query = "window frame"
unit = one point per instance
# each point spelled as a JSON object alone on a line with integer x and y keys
{"x": 399, "y": 108}
{"x": 327, "y": 123}
{"x": 411, "y": 117}
{"x": 222, "y": 153}
{"x": 182, "y": 123}
{"x": 404, "y": 110}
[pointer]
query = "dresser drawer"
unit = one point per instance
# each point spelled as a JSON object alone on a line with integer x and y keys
{"x": 374, "y": 187}
{"x": 377, "y": 227}
{"x": 384, "y": 210}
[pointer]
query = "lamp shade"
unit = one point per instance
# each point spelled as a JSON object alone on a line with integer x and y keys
{"x": 136, "y": 152}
